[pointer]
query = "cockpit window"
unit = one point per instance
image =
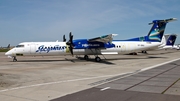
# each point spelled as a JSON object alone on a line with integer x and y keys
{"x": 19, "y": 46}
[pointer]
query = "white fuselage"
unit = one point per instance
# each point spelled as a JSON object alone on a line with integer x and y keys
{"x": 60, "y": 48}
{"x": 170, "y": 47}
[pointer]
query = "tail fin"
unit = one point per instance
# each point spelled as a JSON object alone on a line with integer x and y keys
{"x": 8, "y": 46}
{"x": 171, "y": 39}
{"x": 157, "y": 31}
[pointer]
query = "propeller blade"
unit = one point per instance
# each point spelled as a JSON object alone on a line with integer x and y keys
{"x": 71, "y": 50}
{"x": 70, "y": 34}
{"x": 71, "y": 39}
{"x": 70, "y": 43}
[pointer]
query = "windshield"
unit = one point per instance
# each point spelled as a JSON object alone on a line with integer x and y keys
{"x": 18, "y": 46}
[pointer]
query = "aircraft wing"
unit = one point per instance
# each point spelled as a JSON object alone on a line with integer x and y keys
{"x": 103, "y": 39}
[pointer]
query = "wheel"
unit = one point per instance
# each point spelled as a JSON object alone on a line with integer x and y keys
{"x": 14, "y": 59}
{"x": 97, "y": 59}
{"x": 144, "y": 52}
{"x": 86, "y": 57}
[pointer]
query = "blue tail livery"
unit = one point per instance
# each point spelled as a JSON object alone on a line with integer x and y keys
{"x": 156, "y": 32}
{"x": 171, "y": 39}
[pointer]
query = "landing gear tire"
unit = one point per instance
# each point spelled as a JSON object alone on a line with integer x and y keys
{"x": 97, "y": 59}
{"x": 86, "y": 57}
{"x": 144, "y": 52}
{"x": 14, "y": 59}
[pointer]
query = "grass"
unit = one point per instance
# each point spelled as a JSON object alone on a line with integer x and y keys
{"x": 4, "y": 50}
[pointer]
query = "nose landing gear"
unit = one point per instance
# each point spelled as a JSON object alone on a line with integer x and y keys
{"x": 14, "y": 59}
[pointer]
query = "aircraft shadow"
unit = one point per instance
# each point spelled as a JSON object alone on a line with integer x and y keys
{"x": 103, "y": 61}
{"x": 149, "y": 57}
{"x": 166, "y": 52}
{"x": 81, "y": 59}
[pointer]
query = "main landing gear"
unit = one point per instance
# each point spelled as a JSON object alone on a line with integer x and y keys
{"x": 97, "y": 59}
{"x": 14, "y": 59}
{"x": 144, "y": 51}
{"x": 86, "y": 57}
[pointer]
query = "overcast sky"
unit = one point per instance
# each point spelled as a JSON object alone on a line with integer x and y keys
{"x": 49, "y": 20}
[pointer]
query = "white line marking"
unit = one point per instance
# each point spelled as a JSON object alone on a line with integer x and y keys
{"x": 58, "y": 82}
{"x": 159, "y": 64}
{"x": 105, "y": 88}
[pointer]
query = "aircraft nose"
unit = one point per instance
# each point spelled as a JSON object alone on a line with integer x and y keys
{"x": 8, "y": 53}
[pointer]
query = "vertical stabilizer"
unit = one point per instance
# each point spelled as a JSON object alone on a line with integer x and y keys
{"x": 171, "y": 39}
{"x": 157, "y": 31}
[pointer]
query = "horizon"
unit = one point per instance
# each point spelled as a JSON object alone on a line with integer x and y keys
{"x": 44, "y": 20}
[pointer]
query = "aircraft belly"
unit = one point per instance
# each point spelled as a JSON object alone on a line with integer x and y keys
{"x": 87, "y": 52}
{"x": 152, "y": 46}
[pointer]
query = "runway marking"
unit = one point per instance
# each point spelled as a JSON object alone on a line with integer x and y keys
{"x": 81, "y": 79}
{"x": 105, "y": 88}
{"x": 58, "y": 82}
{"x": 144, "y": 69}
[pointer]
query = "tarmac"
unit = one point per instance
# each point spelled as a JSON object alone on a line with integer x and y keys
{"x": 153, "y": 76}
{"x": 158, "y": 84}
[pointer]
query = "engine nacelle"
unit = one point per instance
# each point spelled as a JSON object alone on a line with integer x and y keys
{"x": 85, "y": 44}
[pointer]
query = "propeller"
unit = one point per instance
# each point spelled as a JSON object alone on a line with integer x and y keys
{"x": 70, "y": 43}
{"x": 64, "y": 38}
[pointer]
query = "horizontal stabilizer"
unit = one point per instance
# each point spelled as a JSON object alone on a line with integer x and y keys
{"x": 166, "y": 20}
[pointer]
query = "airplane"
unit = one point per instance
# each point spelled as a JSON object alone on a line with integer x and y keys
{"x": 170, "y": 40}
{"x": 167, "y": 42}
{"x": 95, "y": 46}
{"x": 176, "y": 47}
{"x": 5, "y": 49}
{"x": 8, "y": 47}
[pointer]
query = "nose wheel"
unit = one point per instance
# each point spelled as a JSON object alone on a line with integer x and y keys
{"x": 14, "y": 59}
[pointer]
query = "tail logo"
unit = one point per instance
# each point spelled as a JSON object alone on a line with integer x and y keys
{"x": 171, "y": 41}
{"x": 157, "y": 31}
